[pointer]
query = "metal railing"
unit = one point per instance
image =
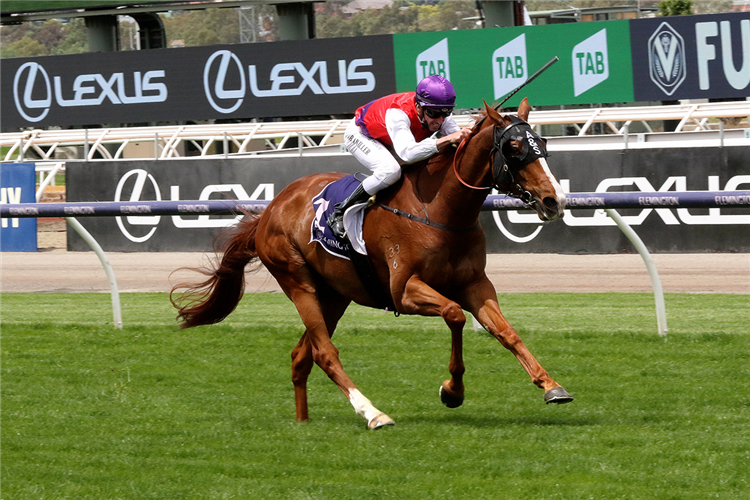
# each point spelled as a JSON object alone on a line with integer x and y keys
{"x": 315, "y": 137}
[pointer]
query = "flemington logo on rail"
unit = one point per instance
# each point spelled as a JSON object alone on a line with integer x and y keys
{"x": 666, "y": 58}
{"x": 226, "y": 84}
{"x": 34, "y": 93}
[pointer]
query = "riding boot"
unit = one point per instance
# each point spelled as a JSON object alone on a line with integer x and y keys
{"x": 336, "y": 220}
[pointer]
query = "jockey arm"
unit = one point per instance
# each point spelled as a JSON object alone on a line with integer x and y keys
{"x": 407, "y": 148}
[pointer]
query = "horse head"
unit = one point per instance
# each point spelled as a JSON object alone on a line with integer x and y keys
{"x": 518, "y": 162}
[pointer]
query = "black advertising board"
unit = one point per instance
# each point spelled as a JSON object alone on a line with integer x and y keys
{"x": 691, "y": 57}
{"x": 580, "y": 231}
{"x": 253, "y": 179}
{"x": 292, "y": 78}
{"x": 662, "y": 229}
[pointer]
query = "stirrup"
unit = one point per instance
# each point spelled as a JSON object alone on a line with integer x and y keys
{"x": 336, "y": 223}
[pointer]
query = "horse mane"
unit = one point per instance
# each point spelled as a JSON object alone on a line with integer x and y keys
{"x": 445, "y": 157}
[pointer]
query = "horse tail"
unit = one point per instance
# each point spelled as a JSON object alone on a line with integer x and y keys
{"x": 215, "y": 298}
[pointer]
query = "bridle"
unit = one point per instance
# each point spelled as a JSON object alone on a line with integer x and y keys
{"x": 504, "y": 169}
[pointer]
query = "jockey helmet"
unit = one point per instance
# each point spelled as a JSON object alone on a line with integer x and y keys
{"x": 436, "y": 92}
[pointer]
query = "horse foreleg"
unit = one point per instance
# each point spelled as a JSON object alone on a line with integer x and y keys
{"x": 420, "y": 298}
{"x": 482, "y": 302}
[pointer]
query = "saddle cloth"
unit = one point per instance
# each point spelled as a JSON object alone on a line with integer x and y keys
{"x": 323, "y": 204}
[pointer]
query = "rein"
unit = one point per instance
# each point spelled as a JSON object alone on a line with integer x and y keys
{"x": 497, "y": 172}
{"x": 455, "y": 168}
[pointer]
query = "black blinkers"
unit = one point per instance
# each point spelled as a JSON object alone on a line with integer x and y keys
{"x": 506, "y": 163}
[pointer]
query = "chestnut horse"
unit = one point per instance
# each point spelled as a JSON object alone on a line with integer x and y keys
{"x": 425, "y": 246}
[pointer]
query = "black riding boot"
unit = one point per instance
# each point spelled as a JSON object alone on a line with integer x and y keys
{"x": 336, "y": 220}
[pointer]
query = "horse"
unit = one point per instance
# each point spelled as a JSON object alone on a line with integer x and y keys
{"x": 431, "y": 264}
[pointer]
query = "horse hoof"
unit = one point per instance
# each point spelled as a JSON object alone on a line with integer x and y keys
{"x": 449, "y": 400}
{"x": 557, "y": 395}
{"x": 380, "y": 421}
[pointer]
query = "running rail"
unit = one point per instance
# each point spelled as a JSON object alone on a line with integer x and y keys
{"x": 606, "y": 201}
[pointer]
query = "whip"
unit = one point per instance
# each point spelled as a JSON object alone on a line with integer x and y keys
{"x": 529, "y": 80}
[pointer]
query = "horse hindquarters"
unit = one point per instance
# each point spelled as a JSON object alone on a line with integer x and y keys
{"x": 215, "y": 298}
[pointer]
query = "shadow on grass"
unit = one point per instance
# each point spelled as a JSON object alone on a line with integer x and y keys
{"x": 484, "y": 421}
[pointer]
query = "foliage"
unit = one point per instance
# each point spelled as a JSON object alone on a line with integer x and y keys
{"x": 149, "y": 411}
{"x": 675, "y": 7}
{"x": 401, "y": 17}
{"x": 44, "y": 38}
{"x": 203, "y": 27}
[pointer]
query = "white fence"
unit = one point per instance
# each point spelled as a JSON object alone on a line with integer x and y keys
{"x": 323, "y": 136}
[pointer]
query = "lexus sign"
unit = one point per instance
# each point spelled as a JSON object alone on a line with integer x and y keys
{"x": 295, "y": 78}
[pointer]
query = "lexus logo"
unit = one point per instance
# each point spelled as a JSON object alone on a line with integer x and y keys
{"x": 140, "y": 177}
{"x": 31, "y": 109}
{"x": 222, "y": 99}
{"x": 666, "y": 58}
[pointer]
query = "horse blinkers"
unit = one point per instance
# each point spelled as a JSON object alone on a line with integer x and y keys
{"x": 505, "y": 168}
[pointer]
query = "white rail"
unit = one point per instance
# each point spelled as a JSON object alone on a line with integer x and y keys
{"x": 314, "y": 136}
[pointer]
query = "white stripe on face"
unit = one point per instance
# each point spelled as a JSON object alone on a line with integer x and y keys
{"x": 556, "y": 185}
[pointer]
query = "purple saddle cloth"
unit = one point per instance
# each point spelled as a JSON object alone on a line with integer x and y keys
{"x": 323, "y": 204}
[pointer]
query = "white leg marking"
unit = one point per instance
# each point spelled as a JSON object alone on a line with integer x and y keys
{"x": 362, "y": 405}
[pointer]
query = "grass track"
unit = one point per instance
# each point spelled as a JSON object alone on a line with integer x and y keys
{"x": 91, "y": 412}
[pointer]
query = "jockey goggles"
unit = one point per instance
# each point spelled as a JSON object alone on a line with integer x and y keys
{"x": 435, "y": 113}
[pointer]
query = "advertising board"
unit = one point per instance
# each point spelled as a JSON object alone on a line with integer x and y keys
{"x": 665, "y": 58}
{"x": 17, "y": 185}
{"x": 294, "y": 78}
{"x": 665, "y": 229}
{"x": 594, "y": 66}
{"x": 691, "y": 57}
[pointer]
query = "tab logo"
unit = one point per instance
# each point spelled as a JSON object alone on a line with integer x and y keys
{"x": 509, "y": 66}
{"x": 434, "y": 61}
{"x": 590, "y": 62}
{"x": 666, "y": 58}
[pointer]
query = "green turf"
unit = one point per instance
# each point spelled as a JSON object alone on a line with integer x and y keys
{"x": 92, "y": 412}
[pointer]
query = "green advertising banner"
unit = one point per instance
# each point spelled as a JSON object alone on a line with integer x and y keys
{"x": 594, "y": 67}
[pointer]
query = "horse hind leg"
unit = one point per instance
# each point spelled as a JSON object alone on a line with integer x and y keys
{"x": 332, "y": 307}
{"x": 320, "y": 313}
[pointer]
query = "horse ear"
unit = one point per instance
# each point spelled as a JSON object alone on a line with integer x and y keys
{"x": 523, "y": 109}
{"x": 492, "y": 113}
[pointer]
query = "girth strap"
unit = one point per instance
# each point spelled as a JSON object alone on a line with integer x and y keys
{"x": 429, "y": 222}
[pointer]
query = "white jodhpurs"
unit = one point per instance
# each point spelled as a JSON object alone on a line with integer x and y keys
{"x": 373, "y": 155}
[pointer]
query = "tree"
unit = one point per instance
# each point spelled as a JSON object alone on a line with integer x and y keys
{"x": 401, "y": 17}
{"x": 676, "y": 7}
{"x": 75, "y": 40}
{"x": 25, "y": 47}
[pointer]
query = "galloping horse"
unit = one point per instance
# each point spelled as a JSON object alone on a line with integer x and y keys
{"x": 432, "y": 264}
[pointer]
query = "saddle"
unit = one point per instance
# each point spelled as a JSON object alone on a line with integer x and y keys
{"x": 352, "y": 248}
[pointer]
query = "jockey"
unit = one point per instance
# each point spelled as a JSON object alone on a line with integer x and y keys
{"x": 414, "y": 125}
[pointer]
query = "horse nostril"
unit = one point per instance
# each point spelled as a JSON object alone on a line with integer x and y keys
{"x": 550, "y": 203}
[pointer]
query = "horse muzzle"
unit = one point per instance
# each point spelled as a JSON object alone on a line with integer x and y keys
{"x": 550, "y": 208}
